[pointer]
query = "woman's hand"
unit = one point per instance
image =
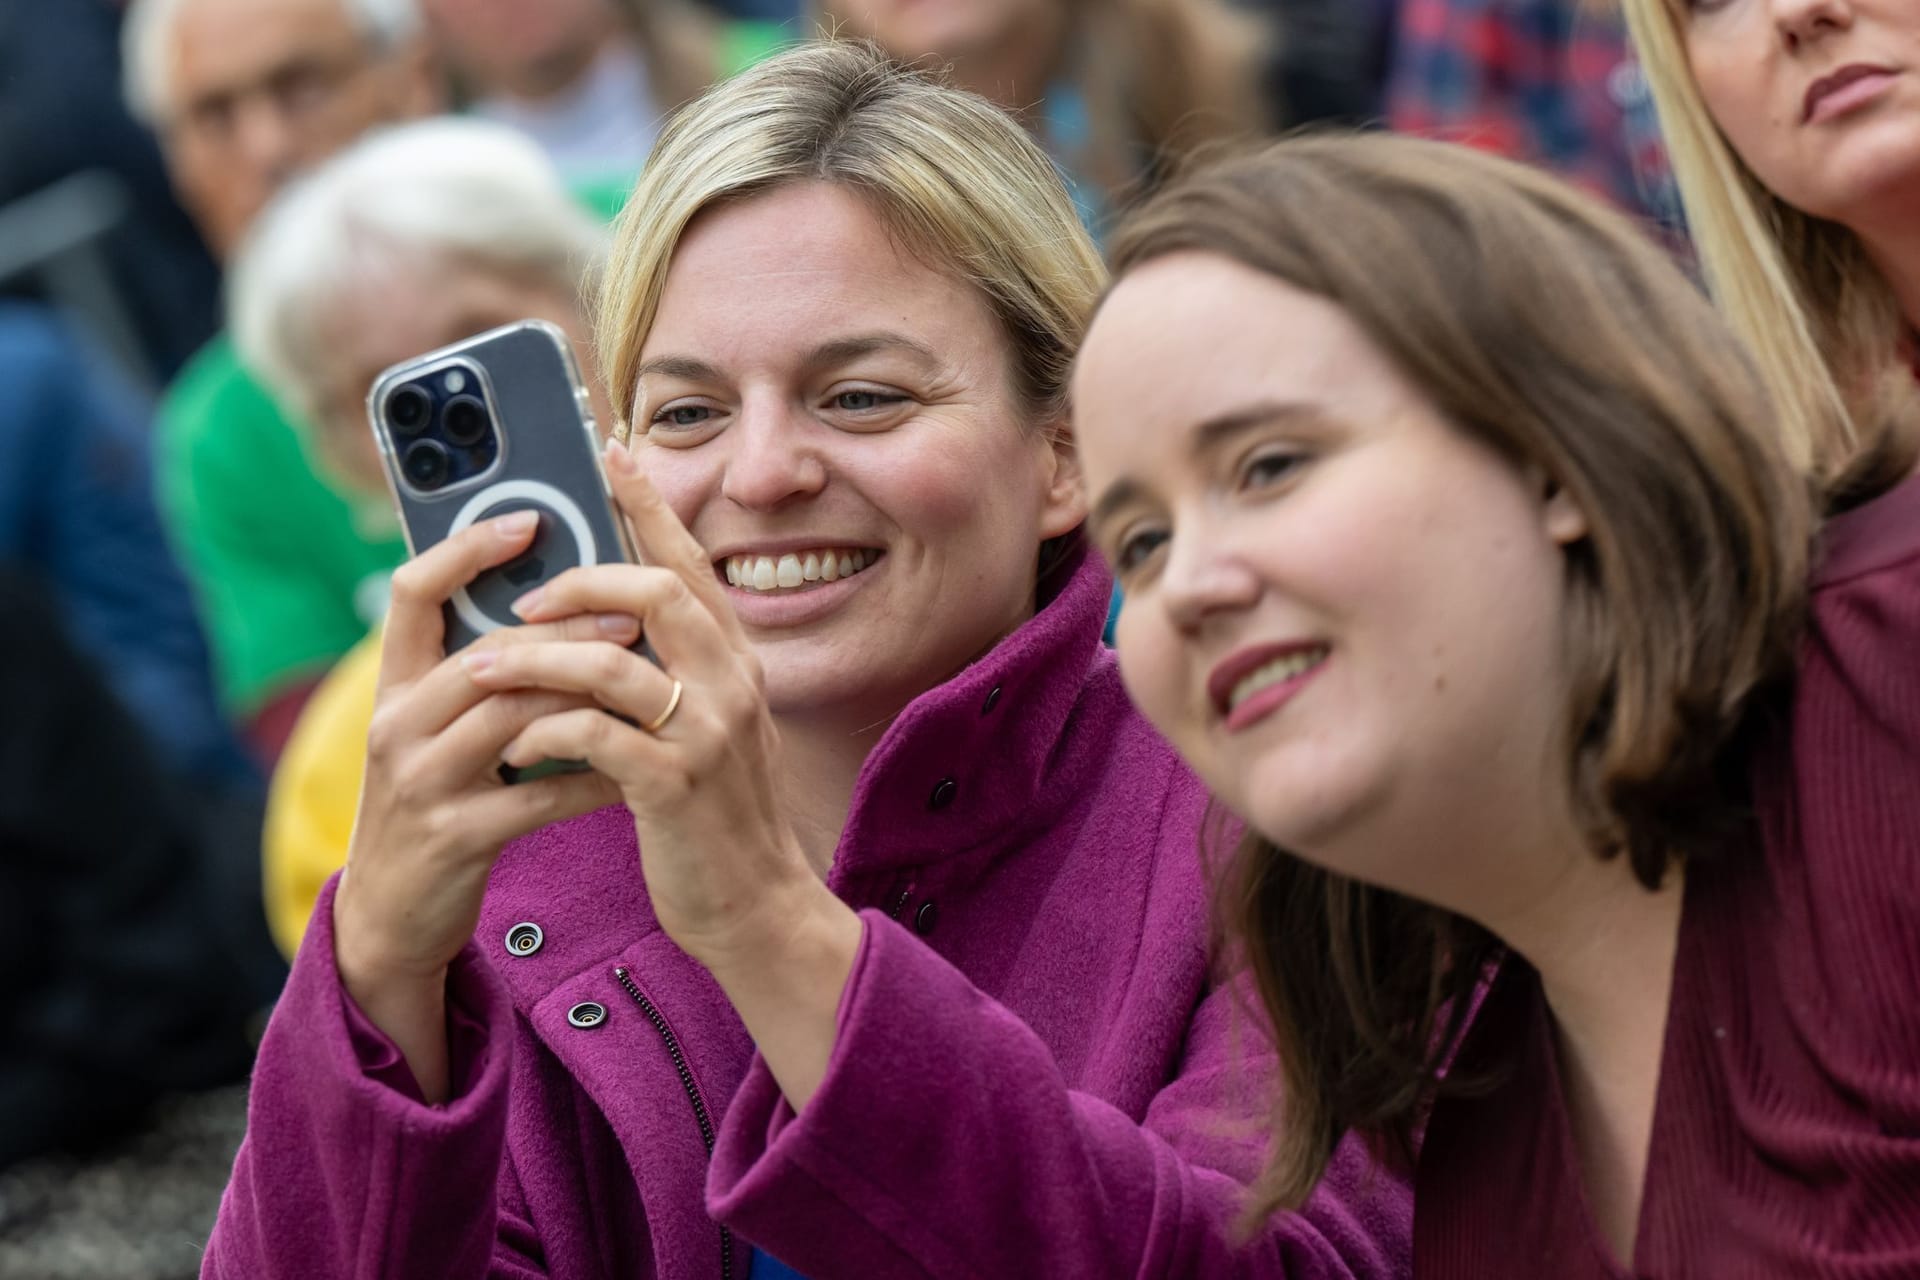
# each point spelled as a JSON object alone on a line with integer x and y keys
{"x": 434, "y": 813}
{"x": 724, "y": 869}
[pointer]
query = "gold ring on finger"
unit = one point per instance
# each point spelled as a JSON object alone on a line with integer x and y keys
{"x": 673, "y": 704}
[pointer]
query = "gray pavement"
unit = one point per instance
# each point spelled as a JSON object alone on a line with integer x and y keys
{"x": 139, "y": 1210}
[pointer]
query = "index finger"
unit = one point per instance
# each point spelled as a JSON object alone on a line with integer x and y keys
{"x": 664, "y": 541}
{"x": 416, "y": 629}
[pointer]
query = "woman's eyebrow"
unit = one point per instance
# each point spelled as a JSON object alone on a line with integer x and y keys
{"x": 1208, "y": 435}
{"x": 841, "y": 350}
{"x": 683, "y": 367}
{"x": 1121, "y": 493}
{"x": 1220, "y": 428}
{"x": 826, "y": 355}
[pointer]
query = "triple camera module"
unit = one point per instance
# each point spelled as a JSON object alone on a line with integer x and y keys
{"x": 441, "y": 428}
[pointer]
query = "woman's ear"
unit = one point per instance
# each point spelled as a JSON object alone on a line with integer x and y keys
{"x": 1064, "y": 501}
{"x": 1563, "y": 519}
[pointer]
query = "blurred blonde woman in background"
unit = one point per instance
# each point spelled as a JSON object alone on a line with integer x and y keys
{"x": 1115, "y": 90}
{"x": 1794, "y": 127}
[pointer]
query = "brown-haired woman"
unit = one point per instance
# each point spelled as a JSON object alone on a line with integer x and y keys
{"x": 1463, "y": 559}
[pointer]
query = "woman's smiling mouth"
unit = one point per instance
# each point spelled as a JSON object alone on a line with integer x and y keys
{"x": 1255, "y": 682}
{"x": 796, "y": 570}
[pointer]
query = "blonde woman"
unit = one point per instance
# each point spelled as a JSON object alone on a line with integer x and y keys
{"x": 875, "y": 943}
{"x": 1114, "y": 90}
{"x": 1794, "y": 127}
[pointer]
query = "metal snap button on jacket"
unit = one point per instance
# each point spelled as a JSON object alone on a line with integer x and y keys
{"x": 524, "y": 939}
{"x": 925, "y": 918}
{"x": 993, "y": 700}
{"x": 943, "y": 793}
{"x": 587, "y": 1015}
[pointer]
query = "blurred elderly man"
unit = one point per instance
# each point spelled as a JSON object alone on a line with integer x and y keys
{"x": 246, "y": 93}
{"x": 289, "y": 570}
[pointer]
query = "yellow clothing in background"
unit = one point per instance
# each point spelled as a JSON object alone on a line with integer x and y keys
{"x": 316, "y": 791}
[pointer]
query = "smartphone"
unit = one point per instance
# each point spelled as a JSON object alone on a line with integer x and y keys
{"x": 492, "y": 425}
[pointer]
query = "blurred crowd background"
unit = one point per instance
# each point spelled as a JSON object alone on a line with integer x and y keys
{"x": 194, "y": 533}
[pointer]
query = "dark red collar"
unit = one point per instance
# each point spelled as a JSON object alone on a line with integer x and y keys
{"x": 1871, "y": 536}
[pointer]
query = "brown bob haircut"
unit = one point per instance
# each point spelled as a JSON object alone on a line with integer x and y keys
{"x": 1548, "y": 328}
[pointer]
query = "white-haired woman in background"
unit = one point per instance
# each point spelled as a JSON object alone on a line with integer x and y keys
{"x": 416, "y": 237}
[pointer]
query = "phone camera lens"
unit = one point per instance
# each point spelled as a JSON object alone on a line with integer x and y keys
{"x": 465, "y": 420}
{"x": 426, "y": 463}
{"x": 408, "y": 410}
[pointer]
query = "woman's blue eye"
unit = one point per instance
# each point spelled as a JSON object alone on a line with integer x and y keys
{"x": 682, "y": 415}
{"x": 1269, "y": 468}
{"x": 862, "y": 401}
{"x": 1136, "y": 547}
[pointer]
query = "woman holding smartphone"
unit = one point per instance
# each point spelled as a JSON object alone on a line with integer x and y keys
{"x": 1462, "y": 556}
{"x": 875, "y": 940}
{"x": 1794, "y": 127}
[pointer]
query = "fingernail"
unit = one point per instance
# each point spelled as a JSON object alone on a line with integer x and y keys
{"x": 617, "y": 624}
{"x": 527, "y": 605}
{"x": 478, "y": 660}
{"x": 518, "y": 523}
{"x": 619, "y": 460}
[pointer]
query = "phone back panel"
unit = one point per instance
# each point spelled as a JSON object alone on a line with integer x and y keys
{"x": 547, "y": 460}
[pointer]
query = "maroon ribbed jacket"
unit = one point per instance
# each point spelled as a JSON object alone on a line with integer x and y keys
{"x": 1786, "y": 1134}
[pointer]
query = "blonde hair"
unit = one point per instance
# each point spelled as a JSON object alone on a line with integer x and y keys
{"x": 1821, "y": 321}
{"x": 953, "y": 178}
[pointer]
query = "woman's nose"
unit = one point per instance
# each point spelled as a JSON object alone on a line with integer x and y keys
{"x": 1801, "y": 21}
{"x": 772, "y": 460}
{"x": 1203, "y": 578}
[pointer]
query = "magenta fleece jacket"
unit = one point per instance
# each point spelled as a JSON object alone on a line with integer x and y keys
{"x": 1035, "y": 1074}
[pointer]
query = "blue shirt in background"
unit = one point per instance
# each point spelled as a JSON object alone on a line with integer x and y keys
{"x": 77, "y": 511}
{"x": 767, "y": 1267}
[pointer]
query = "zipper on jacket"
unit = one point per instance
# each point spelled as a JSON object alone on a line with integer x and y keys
{"x": 693, "y": 1096}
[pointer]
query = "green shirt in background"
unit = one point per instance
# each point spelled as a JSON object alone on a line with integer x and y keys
{"x": 288, "y": 573}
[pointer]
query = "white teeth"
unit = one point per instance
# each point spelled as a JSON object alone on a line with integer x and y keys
{"x": 796, "y": 569}
{"x": 1282, "y": 668}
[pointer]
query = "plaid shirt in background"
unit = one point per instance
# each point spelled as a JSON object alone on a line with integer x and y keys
{"x": 1547, "y": 81}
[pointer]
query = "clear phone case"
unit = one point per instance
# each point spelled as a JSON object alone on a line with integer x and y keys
{"x": 533, "y": 447}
